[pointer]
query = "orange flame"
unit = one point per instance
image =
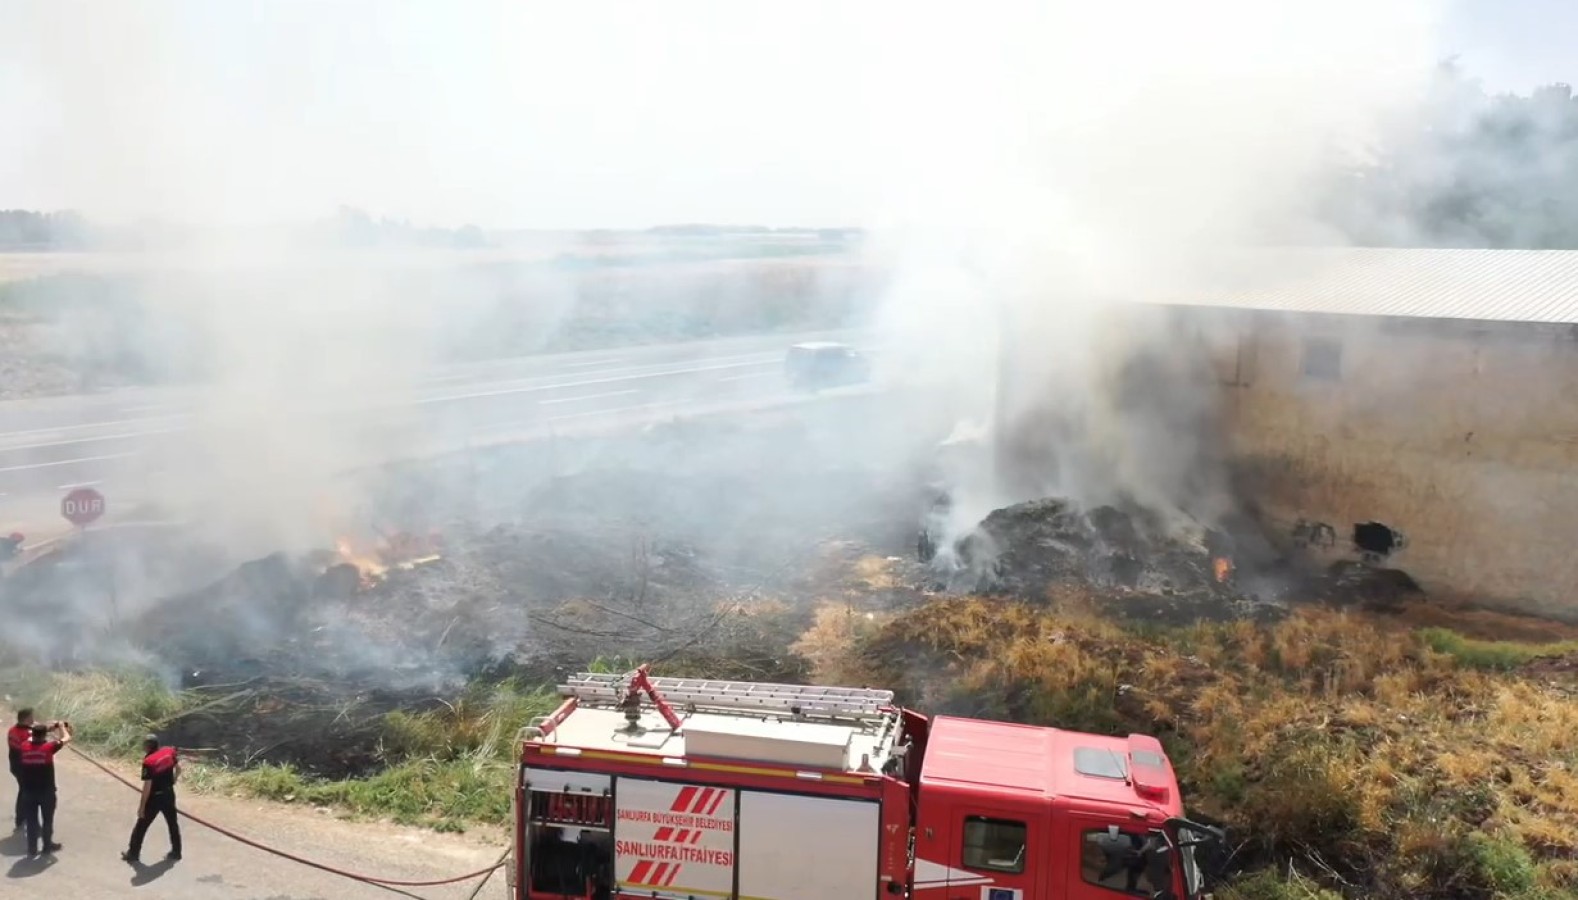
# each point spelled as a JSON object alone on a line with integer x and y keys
{"x": 367, "y": 563}
{"x": 1223, "y": 567}
{"x": 400, "y": 550}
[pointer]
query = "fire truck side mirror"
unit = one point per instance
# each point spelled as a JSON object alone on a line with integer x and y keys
{"x": 1205, "y": 835}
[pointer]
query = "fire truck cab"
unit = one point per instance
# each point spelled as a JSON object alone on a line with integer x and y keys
{"x": 640, "y": 786}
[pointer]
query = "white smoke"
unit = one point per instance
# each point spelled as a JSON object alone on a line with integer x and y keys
{"x": 1066, "y": 157}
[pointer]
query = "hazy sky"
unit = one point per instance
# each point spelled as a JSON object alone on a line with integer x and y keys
{"x": 536, "y": 114}
{"x": 1514, "y": 45}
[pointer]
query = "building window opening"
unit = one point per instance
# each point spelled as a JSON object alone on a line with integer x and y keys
{"x": 1322, "y": 358}
{"x": 1375, "y": 539}
{"x": 995, "y": 845}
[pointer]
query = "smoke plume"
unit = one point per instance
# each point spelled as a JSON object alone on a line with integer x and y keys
{"x": 1072, "y": 157}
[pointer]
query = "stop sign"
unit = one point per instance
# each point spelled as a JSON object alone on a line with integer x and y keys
{"x": 82, "y": 506}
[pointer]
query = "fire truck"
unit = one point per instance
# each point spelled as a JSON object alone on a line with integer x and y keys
{"x": 683, "y": 789}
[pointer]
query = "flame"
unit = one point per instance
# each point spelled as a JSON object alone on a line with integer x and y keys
{"x": 401, "y": 550}
{"x": 1223, "y": 567}
{"x": 368, "y": 565}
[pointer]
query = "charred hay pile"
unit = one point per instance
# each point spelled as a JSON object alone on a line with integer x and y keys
{"x": 1128, "y": 555}
{"x": 1143, "y": 564}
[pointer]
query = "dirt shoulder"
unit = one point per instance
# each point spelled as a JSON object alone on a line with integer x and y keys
{"x": 95, "y": 816}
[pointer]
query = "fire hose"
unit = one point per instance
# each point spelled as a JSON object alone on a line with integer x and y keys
{"x": 365, "y": 879}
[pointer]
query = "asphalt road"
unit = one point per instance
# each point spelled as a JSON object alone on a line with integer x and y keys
{"x": 93, "y": 822}
{"x": 122, "y": 442}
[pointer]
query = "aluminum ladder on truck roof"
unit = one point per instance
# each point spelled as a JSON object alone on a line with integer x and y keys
{"x": 701, "y": 692}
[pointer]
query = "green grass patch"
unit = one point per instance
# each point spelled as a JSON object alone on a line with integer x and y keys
{"x": 1496, "y": 656}
{"x": 448, "y": 767}
{"x": 110, "y": 711}
{"x": 445, "y": 796}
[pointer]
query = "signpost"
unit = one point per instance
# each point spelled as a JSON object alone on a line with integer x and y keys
{"x": 82, "y": 507}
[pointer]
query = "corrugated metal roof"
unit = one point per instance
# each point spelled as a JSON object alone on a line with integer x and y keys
{"x": 1484, "y": 285}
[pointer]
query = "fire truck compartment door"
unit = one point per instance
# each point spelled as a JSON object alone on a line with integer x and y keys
{"x": 808, "y": 848}
{"x": 673, "y": 839}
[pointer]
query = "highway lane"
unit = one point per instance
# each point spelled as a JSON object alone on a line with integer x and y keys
{"x": 128, "y": 442}
{"x": 42, "y": 415}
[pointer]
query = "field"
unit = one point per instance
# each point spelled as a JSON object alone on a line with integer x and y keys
{"x": 1355, "y": 744}
{"x": 1345, "y": 749}
{"x": 1399, "y": 750}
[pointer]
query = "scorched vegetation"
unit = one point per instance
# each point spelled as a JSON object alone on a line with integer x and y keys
{"x": 1355, "y": 737}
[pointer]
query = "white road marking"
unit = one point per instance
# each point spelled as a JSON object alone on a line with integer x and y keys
{"x": 651, "y": 368}
{"x": 93, "y": 439}
{"x": 595, "y": 362}
{"x": 566, "y": 384}
{"x": 66, "y": 462}
{"x": 61, "y": 429}
{"x": 623, "y": 409}
{"x": 80, "y": 484}
{"x": 749, "y": 376}
{"x": 641, "y": 370}
{"x": 588, "y": 397}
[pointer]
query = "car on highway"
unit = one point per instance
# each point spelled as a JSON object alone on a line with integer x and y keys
{"x": 822, "y": 364}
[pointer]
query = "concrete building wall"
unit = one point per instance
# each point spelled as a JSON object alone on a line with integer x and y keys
{"x": 1462, "y": 436}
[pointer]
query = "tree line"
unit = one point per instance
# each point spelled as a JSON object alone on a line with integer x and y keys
{"x": 1470, "y": 169}
{"x": 24, "y": 230}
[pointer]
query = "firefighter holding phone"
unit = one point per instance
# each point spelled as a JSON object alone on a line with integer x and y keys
{"x": 36, "y": 778}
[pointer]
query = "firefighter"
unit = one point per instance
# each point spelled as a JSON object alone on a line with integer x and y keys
{"x": 15, "y": 737}
{"x": 37, "y": 781}
{"x": 160, "y": 768}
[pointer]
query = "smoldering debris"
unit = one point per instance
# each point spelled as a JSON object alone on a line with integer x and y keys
{"x": 298, "y": 660}
{"x": 680, "y": 543}
{"x": 1128, "y": 555}
{"x": 1143, "y": 563}
{"x": 1364, "y": 585}
{"x": 419, "y": 628}
{"x": 68, "y": 605}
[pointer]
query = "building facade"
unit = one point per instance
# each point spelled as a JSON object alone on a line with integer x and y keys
{"x": 1418, "y": 405}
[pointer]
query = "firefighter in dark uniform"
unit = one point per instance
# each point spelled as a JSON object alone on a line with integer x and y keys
{"x": 37, "y": 767}
{"x": 160, "y": 768}
{"x": 15, "y": 737}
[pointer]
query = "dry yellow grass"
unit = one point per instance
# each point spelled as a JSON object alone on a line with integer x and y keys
{"x": 832, "y": 643}
{"x": 1337, "y": 741}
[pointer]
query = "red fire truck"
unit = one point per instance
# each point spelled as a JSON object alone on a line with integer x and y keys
{"x": 749, "y": 791}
